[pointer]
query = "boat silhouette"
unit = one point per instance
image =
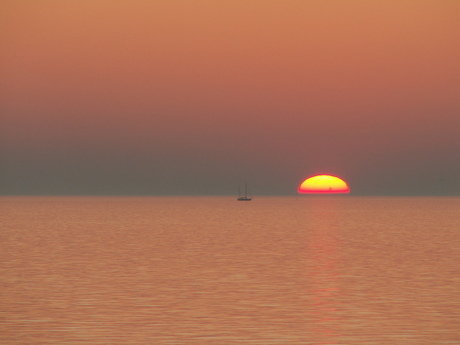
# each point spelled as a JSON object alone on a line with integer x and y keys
{"x": 245, "y": 196}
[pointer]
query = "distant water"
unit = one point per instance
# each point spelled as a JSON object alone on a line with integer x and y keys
{"x": 212, "y": 270}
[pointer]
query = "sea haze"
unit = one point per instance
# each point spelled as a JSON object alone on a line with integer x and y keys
{"x": 212, "y": 270}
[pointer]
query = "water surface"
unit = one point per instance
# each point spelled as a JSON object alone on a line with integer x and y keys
{"x": 211, "y": 270}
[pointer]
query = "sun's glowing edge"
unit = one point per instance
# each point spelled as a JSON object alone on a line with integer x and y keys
{"x": 345, "y": 191}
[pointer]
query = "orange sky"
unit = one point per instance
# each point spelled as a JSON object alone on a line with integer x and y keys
{"x": 195, "y": 97}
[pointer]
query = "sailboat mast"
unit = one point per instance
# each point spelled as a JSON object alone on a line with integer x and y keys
{"x": 245, "y": 196}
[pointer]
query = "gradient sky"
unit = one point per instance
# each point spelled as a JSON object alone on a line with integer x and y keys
{"x": 180, "y": 97}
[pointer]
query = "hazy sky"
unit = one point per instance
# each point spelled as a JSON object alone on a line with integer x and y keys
{"x": 197, "y": 97}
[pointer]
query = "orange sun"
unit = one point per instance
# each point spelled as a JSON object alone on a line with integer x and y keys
{"x": 323, "y": 184}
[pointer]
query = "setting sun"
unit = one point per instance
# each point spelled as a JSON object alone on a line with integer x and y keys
{"x": 323, "y": 184}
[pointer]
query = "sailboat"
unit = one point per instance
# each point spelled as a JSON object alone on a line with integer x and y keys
{"x": 245, "y": 196}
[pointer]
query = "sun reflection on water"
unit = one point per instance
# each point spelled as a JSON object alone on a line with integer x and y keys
{"x": 323, "y": 257}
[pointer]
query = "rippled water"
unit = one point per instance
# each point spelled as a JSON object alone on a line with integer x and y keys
{"x": 211, "y": 270}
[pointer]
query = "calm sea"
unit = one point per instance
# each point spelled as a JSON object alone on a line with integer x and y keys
{"x": 212, "y": 270}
